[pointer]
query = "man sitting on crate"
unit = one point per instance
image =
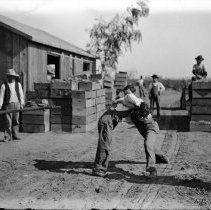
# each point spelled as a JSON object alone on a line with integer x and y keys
{"x": 11, "y": 98}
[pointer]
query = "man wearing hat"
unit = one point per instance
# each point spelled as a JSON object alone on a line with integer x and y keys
{"x": 11, "y": 98}
{"x": 155, "y": 90}
{"x": 199, "y": 70}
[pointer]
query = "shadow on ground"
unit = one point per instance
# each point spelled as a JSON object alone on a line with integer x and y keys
{"x": 117, "y": 173}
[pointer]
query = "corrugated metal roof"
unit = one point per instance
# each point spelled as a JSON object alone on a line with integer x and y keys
{"x": 41, "y": 36}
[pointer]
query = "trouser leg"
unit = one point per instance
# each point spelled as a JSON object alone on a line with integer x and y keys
{"x": 149, "y": 145}
{"x": 158, "y": 105}
{"x": 104, "y": 145}
{"x": 15, "y": 120}
{"x": 152, "y": 105}
{"x": 8, "y": 126}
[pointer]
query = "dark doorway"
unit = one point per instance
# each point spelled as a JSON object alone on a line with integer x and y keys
{"x": 54, "y": 60}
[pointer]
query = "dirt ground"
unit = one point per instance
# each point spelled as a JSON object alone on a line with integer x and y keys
{"x": 53, "y": 170}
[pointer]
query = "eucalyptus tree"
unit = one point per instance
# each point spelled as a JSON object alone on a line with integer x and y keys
{"x": 110, "y": 39}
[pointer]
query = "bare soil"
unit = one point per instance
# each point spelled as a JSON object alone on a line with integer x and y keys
{"x": 53, "y": 170}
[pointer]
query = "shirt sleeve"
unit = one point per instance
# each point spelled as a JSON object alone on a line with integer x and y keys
{"x": 21, "y": 94}
{"x": 2, "y": 92}
{"x": 161, "y": 87}
{"x": 131, "y": 99}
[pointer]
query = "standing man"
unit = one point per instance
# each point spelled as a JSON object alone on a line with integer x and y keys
{"x": 154, "y": 94}
{"x": 11, "y": 98}
{"x": 140, "y": 83}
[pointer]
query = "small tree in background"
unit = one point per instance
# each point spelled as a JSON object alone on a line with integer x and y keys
{"x": 109, "y": 39}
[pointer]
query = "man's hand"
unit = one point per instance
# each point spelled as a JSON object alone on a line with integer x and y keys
{"x": 21, "y": 106}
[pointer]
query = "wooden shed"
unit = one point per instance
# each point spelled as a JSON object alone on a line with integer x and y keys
{"x": 30, "y": 50}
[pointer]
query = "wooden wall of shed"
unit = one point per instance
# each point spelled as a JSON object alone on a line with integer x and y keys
{"x": 13, "y": 54}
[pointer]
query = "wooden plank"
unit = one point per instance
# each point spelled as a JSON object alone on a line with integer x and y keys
{"x": 201, "y": 110}
{"x": 93, "y": 101}
{"x": 107, "y": 84}
{"x": 81, "y": 94}
{"x": 61, "y": 127}
{"x": 78, "y": 111}
{"x": 94, "y": 94}
{"x": 201, "y": 85}
{"x": 35, "y": 128}
{"x": 118, "y": 75}
{"x": 84, "y": 128}
{"x": 61, "y": 119}
{"x": 82, "y": 103}
{"x": 200, "y": 117}
{"x": 202, "y": 126}
{"x": 100, "y": 100}
{"x": 87, "y": 86}
{"x": 201, "y": 102}
{"x": 8, "y": 50}
{"x": 16, "y": 53}
{"x": 37, "y": 112}
{"x": 35, "y": 120}
{"x": 201, "y": 93}
{"x": 83, "y": 120}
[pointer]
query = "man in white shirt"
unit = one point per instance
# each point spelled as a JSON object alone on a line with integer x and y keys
{"x": 11, "y": 98}
{"x": 155, "y": 89}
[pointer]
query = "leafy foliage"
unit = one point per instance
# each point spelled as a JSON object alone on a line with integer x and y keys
{"x": 109, "y": 39}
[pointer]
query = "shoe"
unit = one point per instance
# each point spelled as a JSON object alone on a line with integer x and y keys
{"x": 161, "y": 159}
{"x": 16, "y": 138}
{"x": 152, "y": 172}
{"x": 99, "y": 173}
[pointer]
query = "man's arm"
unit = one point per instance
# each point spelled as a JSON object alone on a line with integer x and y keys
{"x": 161, "y": 87}
{"x": 2, "y": 92}
{"x": 21, "y": 95}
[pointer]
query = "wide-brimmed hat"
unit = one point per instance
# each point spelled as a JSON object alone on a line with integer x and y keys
{"x": 199, "y": 58}
{"x": 11, "y": 72}
{"x": 155, "y": 76}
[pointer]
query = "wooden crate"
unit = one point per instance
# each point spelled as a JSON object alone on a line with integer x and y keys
{"x": 83, "y": 120}
{"x": 61, "y": 119}
{"x": 82, "y": 94}
{"x": 100, "y": 92}
{"x": 63, "y": 110}
{"x": 41, "y": 86}
{"x": 120, "y": 83}
{"x": 36, "y": 121}
{"x": 107, "y": 84}
{"x": 82, "y": 103}
{"x": 201, "y": 102}
{"x": 100, "y": 100}
{"x": 100, "y": 113}
{"x": 88, "y": 86}
{"x": 84, "y": 128}
{"x": 201, "y": 110}
{"x": 62, "y": 85}
{"x": 203, "y": 126}
{"x": 60, "y": 93}
{"x": 100, "y": 107}
{"x": 200, "y": 117}
{"x": 80, "y": 111}
{"x": 201, "y": 85}
{"x": 94, "y": 94}
{"x": 201, "y": 93}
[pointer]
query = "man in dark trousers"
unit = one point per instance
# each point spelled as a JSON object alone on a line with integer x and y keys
{"x": 155, "y": 90}
{"x": 11, "y": 98}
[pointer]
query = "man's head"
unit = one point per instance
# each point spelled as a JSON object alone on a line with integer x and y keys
{"x": 199, "y": 59}
{"x": 129, "y": 89}
{"x": 155, "y": 77}
{"x": 11, "y": 75}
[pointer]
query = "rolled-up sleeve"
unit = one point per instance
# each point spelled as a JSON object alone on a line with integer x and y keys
{"x": 21, "y": 94}
{"x": 2, "y": 92}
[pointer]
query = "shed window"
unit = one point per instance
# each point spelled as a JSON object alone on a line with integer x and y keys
{"x": 86, "y": 66}
{"x": 54, "y": 60}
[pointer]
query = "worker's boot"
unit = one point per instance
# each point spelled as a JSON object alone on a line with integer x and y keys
{"x": 161, "y": 159}
{"x": 152, "y": 172}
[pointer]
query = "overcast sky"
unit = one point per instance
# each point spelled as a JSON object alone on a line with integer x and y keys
{"x": 175, "y": 32}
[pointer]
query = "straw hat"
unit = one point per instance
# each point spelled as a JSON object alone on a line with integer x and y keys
{"x": 155, "y": 76}
{"x": 199, "y": 58}
{"x": 11, "y": 72}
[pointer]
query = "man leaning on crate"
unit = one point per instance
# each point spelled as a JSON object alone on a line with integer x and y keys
{"x": 11, "y": 98}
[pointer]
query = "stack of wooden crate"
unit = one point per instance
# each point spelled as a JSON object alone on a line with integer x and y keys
{"x": 201, "y": 106}
{"x": 110, "y": 92}
{"x": 88, "y": 103}
{"x": 36, "y": 121}
{"x": 120, "y": 80}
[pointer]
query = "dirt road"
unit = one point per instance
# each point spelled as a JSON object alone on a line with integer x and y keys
{"x": 54, "y": 171}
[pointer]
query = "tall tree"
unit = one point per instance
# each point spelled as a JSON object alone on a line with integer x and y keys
{"x": 108, "y": 40}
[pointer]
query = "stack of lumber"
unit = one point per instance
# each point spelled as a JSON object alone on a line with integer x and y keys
{"x": 201, "y": 106}
{"x": 120, "y": 80}
{"x": 88, "y": 104}
{"x": 36, "y": 121}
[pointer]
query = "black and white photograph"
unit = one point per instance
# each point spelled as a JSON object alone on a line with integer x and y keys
{"x": 105, "y": 104}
